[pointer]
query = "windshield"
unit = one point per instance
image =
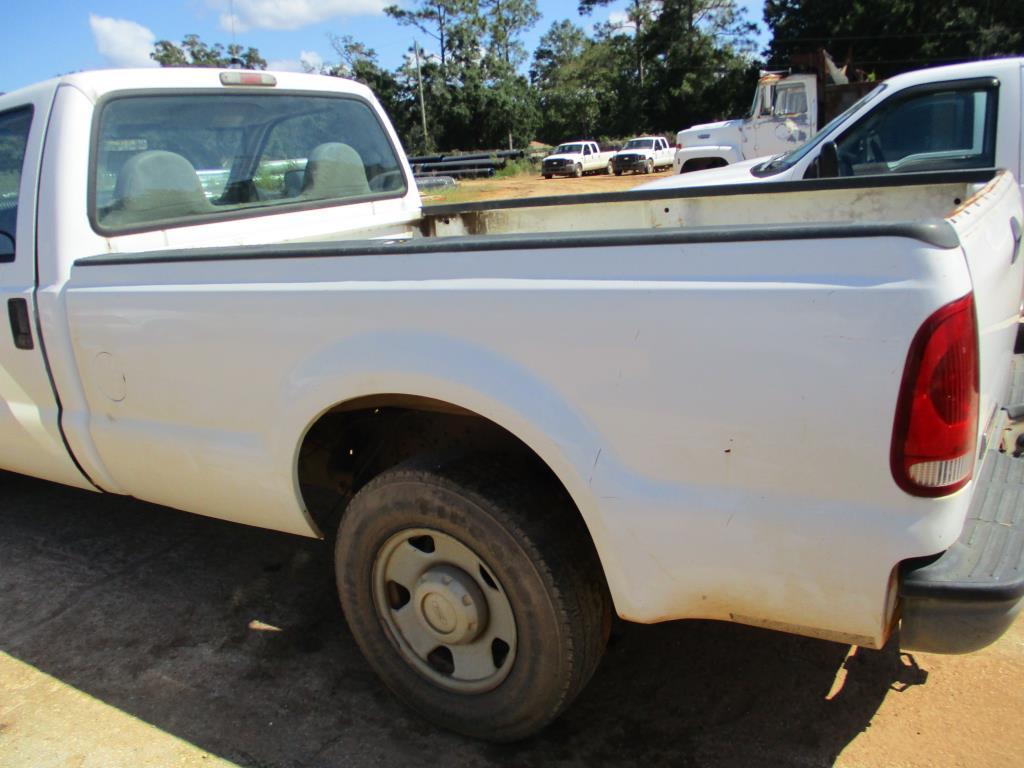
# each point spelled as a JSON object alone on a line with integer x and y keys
{"x": 639, "y": 144}
{"x": 568, "y": 149}
{"x": 788, "y": 160}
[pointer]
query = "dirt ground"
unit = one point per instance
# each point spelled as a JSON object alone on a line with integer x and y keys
{"x": 535, "y": 185}
{"x": 133, "y": 636}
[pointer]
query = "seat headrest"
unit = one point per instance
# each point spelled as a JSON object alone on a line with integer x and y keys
{"x": 334, "y": 170}
{"x": 156, "y": 185}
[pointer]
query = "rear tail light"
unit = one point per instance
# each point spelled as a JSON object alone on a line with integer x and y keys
{"x": 936, "y": 423}
{"x": 678, "y": 145}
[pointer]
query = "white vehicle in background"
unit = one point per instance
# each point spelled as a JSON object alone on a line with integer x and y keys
{"x": 643, "y": 154}
{"x": 940, "y": 119}
{"x": 788, "y": 109}
{"x": 576, "y": 158}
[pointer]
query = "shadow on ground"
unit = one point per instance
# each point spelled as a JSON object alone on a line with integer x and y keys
{"x": 169, "y": 618}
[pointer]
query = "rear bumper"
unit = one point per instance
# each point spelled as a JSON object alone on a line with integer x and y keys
{"x": 969, "y": 596}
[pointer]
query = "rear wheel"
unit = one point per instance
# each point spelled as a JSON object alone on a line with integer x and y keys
{"x": 475, "y": 594}
{"x": 608, "y": 169}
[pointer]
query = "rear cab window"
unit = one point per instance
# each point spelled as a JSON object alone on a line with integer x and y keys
{"x": 14, "y": 130}
{"x": 169, "y": 160}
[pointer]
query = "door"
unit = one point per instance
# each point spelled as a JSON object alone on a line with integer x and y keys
{"x": 783, "y": 124}
{"x": 30, "y": 437}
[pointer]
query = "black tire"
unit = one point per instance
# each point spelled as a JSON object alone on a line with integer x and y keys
{"x": 525, "y": 532}
{"x": 618, "y": 172}
{"x": 577, "y": 170}
{"x": 547, "y": 175}
{"x": 649, "y": 168}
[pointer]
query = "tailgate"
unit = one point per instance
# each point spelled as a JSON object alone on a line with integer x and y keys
{"x": 989, "y": 227}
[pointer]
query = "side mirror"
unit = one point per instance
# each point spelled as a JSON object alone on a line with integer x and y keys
{"x": 828, "y": 161}
{"x": 6, "y": 247}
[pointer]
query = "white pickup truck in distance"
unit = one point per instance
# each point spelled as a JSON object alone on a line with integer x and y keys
{"x": 644, "y": 154}
{"x": 527, "y": 414}
{"x": 576, "y": 158}
{"x": 945, "y": 118}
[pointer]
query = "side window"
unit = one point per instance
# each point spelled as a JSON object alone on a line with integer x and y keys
{"x": 790, "y": 101}
{"x": 586, "y": 149}
{"x": 931, "y": 131}
{"x": 173, "y": 160}
{"x": 14, "y": 127}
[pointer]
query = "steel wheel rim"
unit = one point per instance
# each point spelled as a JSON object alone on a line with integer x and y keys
{"x": 444, "y": 610}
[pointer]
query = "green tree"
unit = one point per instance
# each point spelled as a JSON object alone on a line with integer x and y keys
{"x": 506, "y": 19}
{"x": 434, "y": 18}
{"x": 570, "y": 84}
{"x": 885, "y": 38}
{"x": 193, "y": 52}
{"x": 640, "y": 14}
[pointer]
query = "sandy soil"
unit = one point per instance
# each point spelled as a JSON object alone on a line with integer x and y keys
{"x": 538, "y": 186}
{"x": 133, "y": 636}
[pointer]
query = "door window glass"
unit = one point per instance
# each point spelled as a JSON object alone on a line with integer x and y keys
{"x": 790, "y": 101}
{"x": 14, "y": 127}
{"x": 930, "y": 131}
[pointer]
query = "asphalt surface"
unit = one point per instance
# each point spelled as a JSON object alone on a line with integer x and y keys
{"x": 133, "y": 635}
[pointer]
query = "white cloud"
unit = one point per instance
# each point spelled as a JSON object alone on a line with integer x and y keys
{"x": 291, "y": 14}
{"x": 311, "y": 60}
{"x": 308, "y": 61}
{"x": 121, "y": 42}
{"x": 619, "y": 18}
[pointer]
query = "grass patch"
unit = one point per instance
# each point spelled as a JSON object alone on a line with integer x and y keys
{"x": 521, "y": 166}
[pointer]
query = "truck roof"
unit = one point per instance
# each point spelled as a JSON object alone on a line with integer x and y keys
{"x": 953, "y": 71}
{"x": 97, "y": 83}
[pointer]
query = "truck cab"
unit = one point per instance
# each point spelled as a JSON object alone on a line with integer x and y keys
{"x": 782, "y": 116}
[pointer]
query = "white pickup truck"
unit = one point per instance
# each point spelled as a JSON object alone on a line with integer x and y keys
{"x": 644, "y": 154}
{"x": 944, "y": 118}
{"x": 777, "y": 409}
{"x": 576, "y": 158}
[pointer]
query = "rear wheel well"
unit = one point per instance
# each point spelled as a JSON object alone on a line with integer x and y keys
{"x": 355, "y": 441}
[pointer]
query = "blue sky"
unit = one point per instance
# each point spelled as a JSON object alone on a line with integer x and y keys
{"x": 52, "y": 37}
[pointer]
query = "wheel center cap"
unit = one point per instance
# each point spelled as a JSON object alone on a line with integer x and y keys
{"x": 439, "y": 613}
{"x": 450, "y": 605}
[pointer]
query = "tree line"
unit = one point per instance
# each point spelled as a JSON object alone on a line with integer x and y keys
{"x": 667, "y": 65}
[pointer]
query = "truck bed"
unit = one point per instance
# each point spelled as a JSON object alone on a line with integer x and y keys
{"x": 615, "y": 336}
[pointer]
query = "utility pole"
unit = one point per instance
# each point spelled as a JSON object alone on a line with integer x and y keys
{"x": 423, "y": 109}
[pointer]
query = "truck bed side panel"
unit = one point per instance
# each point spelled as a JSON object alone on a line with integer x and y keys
{"x": 720, "y": 412}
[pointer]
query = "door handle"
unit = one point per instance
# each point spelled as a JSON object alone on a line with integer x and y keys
{"x": 21, "y": 328}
